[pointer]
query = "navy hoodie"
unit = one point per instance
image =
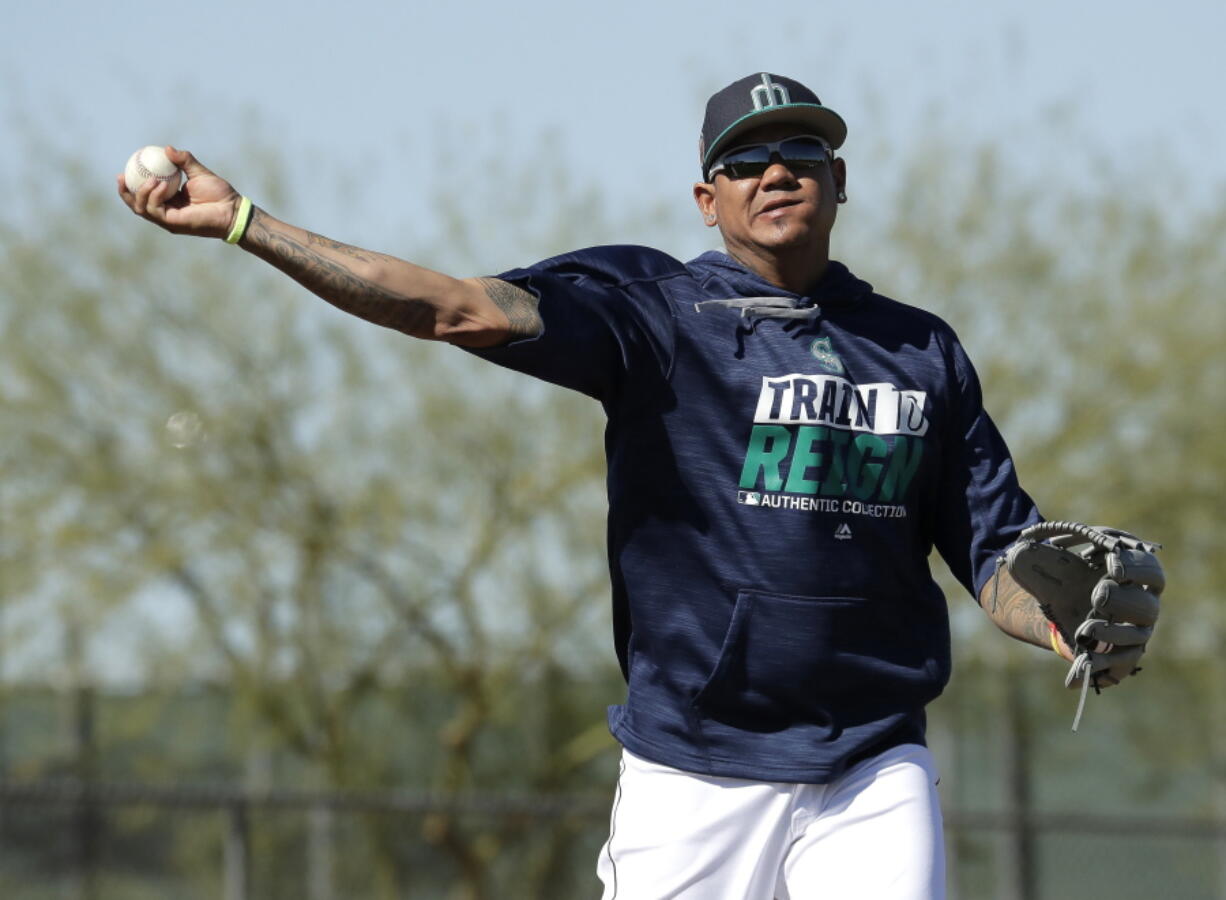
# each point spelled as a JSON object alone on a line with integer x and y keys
{"x": 779, "y": 469}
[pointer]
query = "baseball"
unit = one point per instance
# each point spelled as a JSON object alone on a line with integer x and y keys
{"x": 150, "y": 162}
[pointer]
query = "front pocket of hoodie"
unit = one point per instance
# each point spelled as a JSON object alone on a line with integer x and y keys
{"x": 815, "y": 666}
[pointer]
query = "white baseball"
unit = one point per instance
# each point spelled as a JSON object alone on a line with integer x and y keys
{"x": 150, "y": 162}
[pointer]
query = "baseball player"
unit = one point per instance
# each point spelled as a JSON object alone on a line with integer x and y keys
{"x": 785, "y": 448}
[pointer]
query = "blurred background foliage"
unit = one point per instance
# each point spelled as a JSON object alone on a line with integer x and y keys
{"x": 245, "y": 538}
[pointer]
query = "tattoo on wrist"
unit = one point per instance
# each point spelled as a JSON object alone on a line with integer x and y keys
{"x": 1017, "y": 613}
{"x": 519, "y": 306}
{"x": 307, "y": 264}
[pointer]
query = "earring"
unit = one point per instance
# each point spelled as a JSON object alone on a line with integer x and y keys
{"x": 842, "y": 196}
{"x": 710, "y": 218}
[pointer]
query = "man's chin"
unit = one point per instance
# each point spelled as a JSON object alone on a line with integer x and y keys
{"x": 782, "y": 236}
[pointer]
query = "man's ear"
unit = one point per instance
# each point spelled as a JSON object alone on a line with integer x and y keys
{"x": 704, "y": 197}
{"x": 838, "y": 168}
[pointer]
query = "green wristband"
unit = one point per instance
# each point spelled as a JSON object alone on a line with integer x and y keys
{"x": 240, "y": 221}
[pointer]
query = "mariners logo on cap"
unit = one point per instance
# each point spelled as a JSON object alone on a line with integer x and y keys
{"x": 769, "y": 93}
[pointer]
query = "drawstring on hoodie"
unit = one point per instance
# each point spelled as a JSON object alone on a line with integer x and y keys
{"x": 765, "y": 308}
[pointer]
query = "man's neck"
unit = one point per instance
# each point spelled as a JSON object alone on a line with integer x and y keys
{"x": 794, "y": 271}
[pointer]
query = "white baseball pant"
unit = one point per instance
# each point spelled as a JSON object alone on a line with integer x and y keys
{"x": 873, "y": 833}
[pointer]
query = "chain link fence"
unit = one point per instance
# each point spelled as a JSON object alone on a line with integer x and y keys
{"x": 1132, "y": 806}
{"x": 70, "y": 839}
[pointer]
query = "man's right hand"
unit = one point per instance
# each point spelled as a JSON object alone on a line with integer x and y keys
{"x": 394, "y": 293}
{"x": 204, "y": 206}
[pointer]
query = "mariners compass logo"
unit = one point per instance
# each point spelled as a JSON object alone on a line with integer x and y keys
{"x": 826, "y": 357}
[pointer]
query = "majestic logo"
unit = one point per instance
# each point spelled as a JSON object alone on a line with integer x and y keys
{"x": 843, "y": 532}
{"x": 826, "y": 357}
{"x": 769, "y": 93}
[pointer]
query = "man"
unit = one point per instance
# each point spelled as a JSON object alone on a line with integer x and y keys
{"x": 785, "y": 448}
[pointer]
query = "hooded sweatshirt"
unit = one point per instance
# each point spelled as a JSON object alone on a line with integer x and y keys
{"x": 780, "y": 466}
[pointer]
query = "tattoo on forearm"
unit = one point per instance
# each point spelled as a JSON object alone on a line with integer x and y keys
{"x": 332, "y": 280}
{"x": 318, "y": 240}
{"x": 1015, "y": 611}
{"x": 519, "y": 306}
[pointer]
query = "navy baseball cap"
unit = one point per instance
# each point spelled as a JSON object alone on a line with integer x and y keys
{"x": 761, "y": 99}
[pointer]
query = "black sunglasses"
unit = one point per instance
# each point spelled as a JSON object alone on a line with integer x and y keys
{"x": 799, "y": 152}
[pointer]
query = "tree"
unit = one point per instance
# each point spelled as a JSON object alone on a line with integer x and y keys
{"x": 217, "y": 478}
{"x": 1094, "y": 314}
{"x": 213, "y": 475}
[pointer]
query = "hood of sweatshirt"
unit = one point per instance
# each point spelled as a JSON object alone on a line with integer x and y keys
{"x": 756, "y": 297}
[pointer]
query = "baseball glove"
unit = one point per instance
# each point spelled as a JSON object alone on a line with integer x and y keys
{"x": 1099, "y": 587}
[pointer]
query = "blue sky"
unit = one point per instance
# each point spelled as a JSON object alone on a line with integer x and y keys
{"x": 360, "y": 88}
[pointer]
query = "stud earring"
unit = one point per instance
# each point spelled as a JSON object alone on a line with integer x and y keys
{"x": 842, "y": 197}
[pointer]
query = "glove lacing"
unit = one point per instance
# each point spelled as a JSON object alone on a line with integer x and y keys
{"x": 1081, "y": 669}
